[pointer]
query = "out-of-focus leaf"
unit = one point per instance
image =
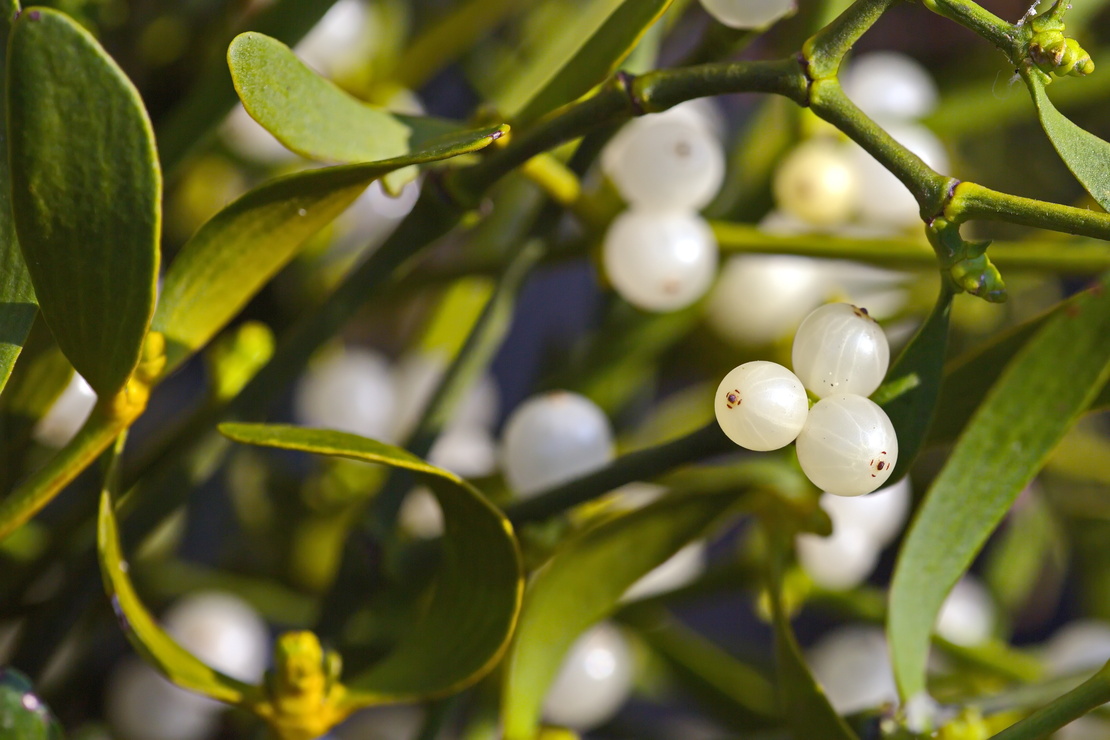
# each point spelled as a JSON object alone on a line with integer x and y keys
{"x": 806, "y": 707}
{"x": 475, "y": 603}
{"x": 23, "y": 714}
{"x": 144, "y": 633}
{"x": 1084, "y": 153}
{"x": 1044, "y": 388}
{"x": 583, "y": 582}
{"x": 584, "y": 54}
{"x": 18, "y": 305}
{"x": 87, "y": 193}
{"x": 235, "y": 253}
{"x": 912, "y": 412}
{"x": 1028, "y": 557}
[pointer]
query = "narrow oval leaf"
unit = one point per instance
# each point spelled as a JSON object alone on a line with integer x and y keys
{"x": 87, "y": 193}
{"x": 142, "y": 630}
{"x": 1049, "y": 383}
{"x": 235, "y": 253}
{"x": 474, "y": 607}
{"x": 923, "y": 359}
{"x": 583, "y": 582}
{"x": 1084, "y": 153}
{"x": 593, "y": 50}
{"x": 18, "y": 305}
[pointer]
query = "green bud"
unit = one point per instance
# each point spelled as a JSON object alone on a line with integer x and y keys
{"x": 979, "y": 277}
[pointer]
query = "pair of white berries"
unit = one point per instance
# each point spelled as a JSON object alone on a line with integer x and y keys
{"x": 846, "y": 444}
{"x": 660, "y": 255}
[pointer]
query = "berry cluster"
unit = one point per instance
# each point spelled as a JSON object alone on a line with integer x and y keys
{"x": 846, "y": 444}
{"x": 660, "y": 255}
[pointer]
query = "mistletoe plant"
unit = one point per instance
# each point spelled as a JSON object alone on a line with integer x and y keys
{"x": 475, "y": 620}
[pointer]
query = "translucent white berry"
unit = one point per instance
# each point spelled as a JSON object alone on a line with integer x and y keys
{"x": 848, "y": 446}
{"x": 341, "y": 40}
{"x": 852, "y": 663}
{"x": 679, "y": 570}
{"x": 882, "y": 196}
{"x": 594, "y": 681}
{"x": 1078, "y": 646}
{"x": 350, "y": 392}
{"x": 880, "y": 514}
{"x": 889, "y": 85}
{"x": 760, "y": 298}
{"x": 967, "y": 616}
{"x": 817, "y": 183}
{"x": 68, "y": 414}
{"x": 840, "y": 349}
{"x": 841, "y": 561}
{"x": 761, "y": 405}
{"x": 554, "y": 438}
{"x": 420, "y": 514}
{"x": 468, "y": 451}
{"x": 223, "y": 631}
{"x": 660, "y": 261}
{"x": 142, "y": 705}
{"x": 748, "y": 13}
{"x": 667, "y": 163}
{"x": 247, "y": 138}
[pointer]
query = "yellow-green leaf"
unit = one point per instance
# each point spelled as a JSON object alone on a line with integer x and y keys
{"x": 237, "y": 252}
{"x": 1047, "y": 385}
{"x": 582, "y": 584}
{"x": 87, "y": 192}
{"x": 475, "y": 602}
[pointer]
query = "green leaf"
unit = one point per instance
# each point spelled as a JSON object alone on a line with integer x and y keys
{"x": 475, "y": 604}
{"x": 594, "y": 51}
{"x": 87, "y": 192}
{"x": 1049, "y": 383}
{"x": 23, "y": 714}
{"x": 18, "y": 305}
{"x": 805, "y": 705}
{"x": 235, "y": 253}
{"x": 1084, "y": 153}
{"x": 583, "y": 582}
{"x": 144, "y": 633}
{"x": 923, "y": 359}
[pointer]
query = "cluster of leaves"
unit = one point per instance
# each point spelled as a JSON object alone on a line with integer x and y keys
{"x": 81, "y": 245}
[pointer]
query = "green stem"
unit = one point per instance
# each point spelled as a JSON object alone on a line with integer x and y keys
{"x": 1089, "y": 695}
{"x": 971, "y": 201}
{"x": 825, "y": 50}
{"x": 976, "y": 18}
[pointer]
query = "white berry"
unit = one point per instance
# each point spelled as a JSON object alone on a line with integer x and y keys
{"x": 880, "y": 514}
{"x": 852, "y": 663}
{"x": 1079, "y": 646}
{"x": 748, "y": 13}
{"x": 967, "y": 616}
{"x": 348, "y": 392}
{"x": 677, "y": 571}
{"x": 660, "y": 261}
{"x": 142, "y": 705}
{"x": 223, "y": 631}
{"x": 890, "y": 85}
{"x": 761, "y": 405}
{"x": 67, "y": 415}
{"x": 760, "y": 298}
{"x": 554, "y": 438}
{"x": 841, "y": 561}
{"x": 667, "y": 163}
{"x": 882, "y": 197}
{"x": 594, "y": 681}
{"x": 848, "y": 446}
{"x": 817, "y": 183}
{"x": 840, "y": 349}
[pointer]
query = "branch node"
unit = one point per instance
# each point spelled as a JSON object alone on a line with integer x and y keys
{"x": 626, "y": 80}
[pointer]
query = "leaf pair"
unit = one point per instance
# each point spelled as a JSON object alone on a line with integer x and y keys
{"x": 459, "y": 638}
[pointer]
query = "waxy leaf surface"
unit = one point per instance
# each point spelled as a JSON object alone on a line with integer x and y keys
{"x": 87, "y": 191}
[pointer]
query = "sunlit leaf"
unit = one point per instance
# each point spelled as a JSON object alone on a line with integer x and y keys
{"x": 87, "y": 191}
{"x": 237, "y": 252}
{"x": 583, "y": 582}
{"x": 1050, "y": 381}
{"x": 475, "y": 603}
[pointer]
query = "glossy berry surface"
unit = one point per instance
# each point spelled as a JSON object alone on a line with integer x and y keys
{"x": 840, "y": 561}
{"x": 839, "y": 348}
{"x": 554, "y": 438}
{"x": 817, "y": 183}
{"x": 348, "y": 392}
{"x": 761, "y": 405}
{"x": 667, "y": 163}
{"x": 660, "y": 261}
{"x": 848, "y": 446}
{"x": 760, "y": 298}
